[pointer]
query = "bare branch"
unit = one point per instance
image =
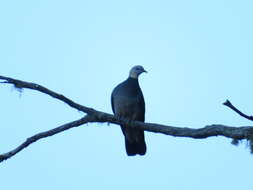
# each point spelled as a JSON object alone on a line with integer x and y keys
{"x": 22, "y": 84}
{"x": 205, "y": 132}
{"x": 236, "y": 133}
{"x": 231, "y": 106}
{"x": 45, "y": 134}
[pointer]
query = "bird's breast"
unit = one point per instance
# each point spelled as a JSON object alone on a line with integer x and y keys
{"x": 127, "y": 107}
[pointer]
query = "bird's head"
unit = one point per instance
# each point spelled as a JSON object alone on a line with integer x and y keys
{"x": 136, "y": 71}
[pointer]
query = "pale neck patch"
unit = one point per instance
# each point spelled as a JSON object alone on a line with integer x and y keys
{"x": 133, "y": 75}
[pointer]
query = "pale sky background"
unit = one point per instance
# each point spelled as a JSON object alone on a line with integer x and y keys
{"x": 198, "y": 54}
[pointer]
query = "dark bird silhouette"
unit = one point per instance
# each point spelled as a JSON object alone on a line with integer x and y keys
{"x": 128, "y": 102}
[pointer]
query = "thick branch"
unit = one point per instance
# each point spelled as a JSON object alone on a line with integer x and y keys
{"x": 237, "y": 133}
{"x": 205, "y": 132}
{"x": 231, "y": 106}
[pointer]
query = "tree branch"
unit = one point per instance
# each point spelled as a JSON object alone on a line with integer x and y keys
{"x": 236, "y": 133}
{"x": 231, "y": 106}
{"x": 45, "y": 134}
{"x": 33, "y": 86}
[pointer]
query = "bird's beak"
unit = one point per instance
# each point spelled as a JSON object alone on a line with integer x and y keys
{"x": 144, "y": 71}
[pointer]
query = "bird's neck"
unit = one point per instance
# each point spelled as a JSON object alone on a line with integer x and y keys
{"x": 133, "y": 81}
{"x": 133, "y": 75}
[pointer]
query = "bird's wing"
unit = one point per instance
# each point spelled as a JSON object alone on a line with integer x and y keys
{"x": 112, "y": 102}
{"x": 141, "y": 106}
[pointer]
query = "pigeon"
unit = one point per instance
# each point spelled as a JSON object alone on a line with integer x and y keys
{"x": 128, "y": 102}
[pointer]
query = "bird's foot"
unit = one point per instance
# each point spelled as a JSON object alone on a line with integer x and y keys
{"x": 129, "y": 121}
{"x": 119, "y": 118}
{"x": 125, "y": 120}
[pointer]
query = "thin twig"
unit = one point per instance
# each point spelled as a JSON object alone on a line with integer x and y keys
{"x": 231, "y": 106}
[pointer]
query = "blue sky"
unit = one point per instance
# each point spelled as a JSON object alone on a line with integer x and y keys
{"x": 197, "y": 53}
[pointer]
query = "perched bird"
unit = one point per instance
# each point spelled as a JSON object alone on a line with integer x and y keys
{"x": 128, "y": 102}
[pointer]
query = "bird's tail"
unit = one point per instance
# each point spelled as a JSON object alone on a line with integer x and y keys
{"x": 137, "y": 147}
{"x": 134, "y": 141}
